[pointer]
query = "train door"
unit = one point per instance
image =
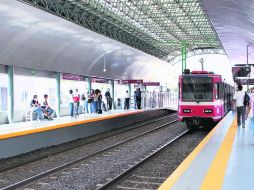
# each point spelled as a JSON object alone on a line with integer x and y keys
{"x": 221, "y": 88}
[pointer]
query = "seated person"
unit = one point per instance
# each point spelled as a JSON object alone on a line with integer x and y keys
{"x": 47, "y": 109}
{"x": 35, "y": 106}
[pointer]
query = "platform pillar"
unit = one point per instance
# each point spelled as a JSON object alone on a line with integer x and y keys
{"x": 89, "y": 84}
{"x": 129, "y": 86}
{"x": 10, "y": 98}
{"x": 58, "y": 94}
{"x": 184, "y": 55}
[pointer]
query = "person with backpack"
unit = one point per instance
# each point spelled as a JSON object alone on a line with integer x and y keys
{"x": 242, "y": 100}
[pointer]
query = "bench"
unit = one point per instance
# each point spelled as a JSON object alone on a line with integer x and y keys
{"x": 29, "y": 115}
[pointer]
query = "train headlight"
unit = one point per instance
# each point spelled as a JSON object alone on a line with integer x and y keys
{"x": 208, "y": 111}
{"x": 186, "y": 111}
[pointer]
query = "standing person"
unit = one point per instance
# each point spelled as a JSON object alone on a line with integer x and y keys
{"x": 240, "y": 105}
{"x": 95, "y": 101}
{"x": 47, "y": 108}
{"x": 251, "y": 114}
{"x": 71, "y": 102}
{"x": 109, "y": 99}
{"x": 138, "y": 98}
{"x": 90, "y": 101}
{"x": 127, "y": 100}
{"x": 83, "y": 101}
{"x": 76, "y": 99}
{"x": 35, "y": 106}
{"x": 99, "y": 111}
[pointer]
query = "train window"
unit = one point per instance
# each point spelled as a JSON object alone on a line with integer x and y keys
{"x": 197, "y": 89}
{"x": 217, "y": 91}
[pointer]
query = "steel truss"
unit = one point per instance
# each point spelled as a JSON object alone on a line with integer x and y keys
{"x": 177, "y": 56}
{"x": 157, "y": 27}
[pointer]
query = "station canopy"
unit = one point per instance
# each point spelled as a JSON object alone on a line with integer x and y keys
{"x": 157, "y": 27}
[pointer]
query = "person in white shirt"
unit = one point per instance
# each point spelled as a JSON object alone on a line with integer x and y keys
{"x": 71, "y": 102}
{"x": 127, "y": 100}
{"x": 240, "y": 108}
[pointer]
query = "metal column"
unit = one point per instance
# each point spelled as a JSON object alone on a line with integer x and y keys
{"x": 10, "y": 90}
{"x": 89, "y": 84}
{"x": 248, "y": 65}
{"x": 184, "y": 55}
{"x": 129, "y": 86}
{"x": 58, "y": 93}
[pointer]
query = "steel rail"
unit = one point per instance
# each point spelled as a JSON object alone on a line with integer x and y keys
{"x": 85, "y": 143}
{"x": 34, "y": 178}
{"x": 137, "y": 164}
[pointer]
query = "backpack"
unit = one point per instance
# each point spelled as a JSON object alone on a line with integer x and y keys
{"x": 246, "y": 100}
{"x": 83, "y": 97}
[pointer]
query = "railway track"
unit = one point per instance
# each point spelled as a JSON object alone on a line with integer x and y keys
{"x": 34, "y": 178}
{"x": 77, "y": 145}
{"x": 153, "y": 153}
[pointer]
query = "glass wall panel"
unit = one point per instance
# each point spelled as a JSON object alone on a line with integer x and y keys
{"x": 120, "y": 90}
{"x": 3, "y": 91}
{"x": 67, "y": 85}
{"x": 27, "y": 86}
{"x": 103, "y": 88}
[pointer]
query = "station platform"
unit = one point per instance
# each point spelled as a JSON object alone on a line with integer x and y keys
{"x": 222, "y": 161}
{"x": 19, "y": 138}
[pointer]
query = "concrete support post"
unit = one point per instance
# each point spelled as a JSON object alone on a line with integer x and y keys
{"x": 89, "y": 84}
{"x": 184, "y": 55}
{"x": 58, "y": 94}
{"x": 129, "y": 86}
{"x": 10, "y": 91}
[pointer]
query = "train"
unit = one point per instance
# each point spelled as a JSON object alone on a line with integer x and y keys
{"x": 204, "y": 98}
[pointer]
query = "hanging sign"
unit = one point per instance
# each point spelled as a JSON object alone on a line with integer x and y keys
{"x": 99, "y": 80}
{"x": 139, "y": 81}
{"x": 69, "y": 76}
{"x": 245, "y": 81}
{"x": 151, "y": 84}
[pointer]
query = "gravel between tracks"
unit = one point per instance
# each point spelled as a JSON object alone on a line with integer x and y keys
{"x": 88, "y": 174}
{"x": 27, "y": 157}
{"x": 152, "y": 173}
{"x": 55, "y": 160}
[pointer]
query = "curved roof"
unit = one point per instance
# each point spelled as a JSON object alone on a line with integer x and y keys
{"x": 234, "y": 23}
{"x": 32, "y": 38}
{"x": 156, "y": 27}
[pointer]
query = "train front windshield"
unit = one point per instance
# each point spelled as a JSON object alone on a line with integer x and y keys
{"x": 197, "y": 89}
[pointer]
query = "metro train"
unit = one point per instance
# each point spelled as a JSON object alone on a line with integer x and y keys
{"x": 204, "y": 98}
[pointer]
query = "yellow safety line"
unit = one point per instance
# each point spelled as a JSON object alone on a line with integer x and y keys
{"x": 61, "y": 125}
{"x": 171, "y": 180}
{"x": 215, "y": 176}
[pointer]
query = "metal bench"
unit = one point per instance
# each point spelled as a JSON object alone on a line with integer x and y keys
{"x": 29, "y": 115}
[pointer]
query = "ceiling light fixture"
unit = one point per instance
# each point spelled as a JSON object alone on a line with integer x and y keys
{"x": 104, "y": 63}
